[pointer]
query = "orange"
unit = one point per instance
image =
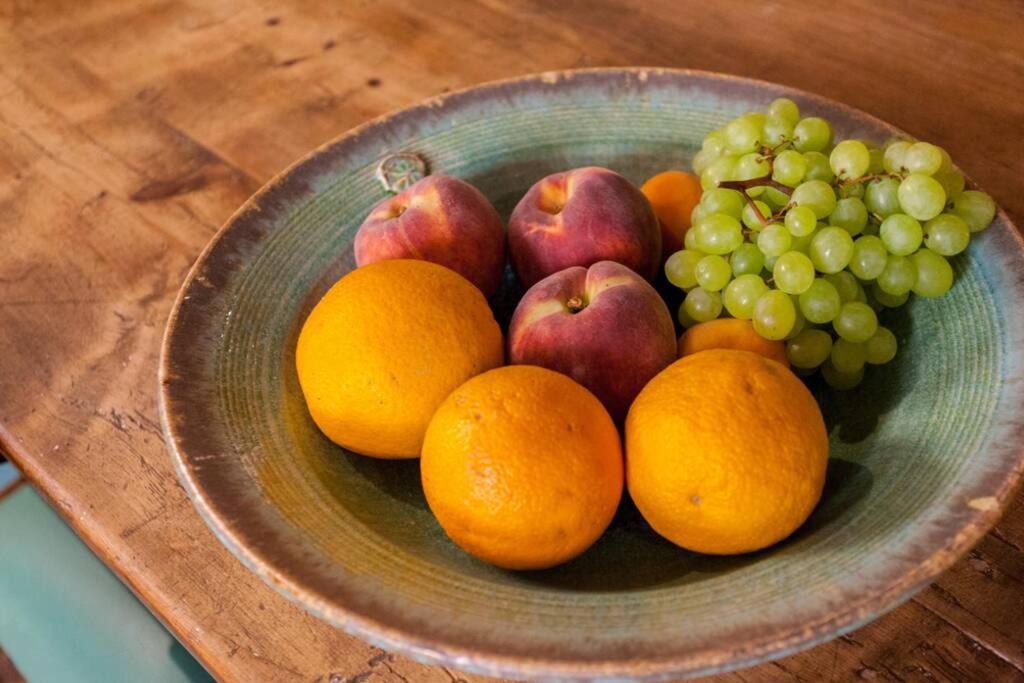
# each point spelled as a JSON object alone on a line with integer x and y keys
{"x": 522, "y": 467}
{"x": 725, "y": 452}
{"x": 383, "y": 349}
{"x": 730, "y": 333}
{"x": 673, "y": 194}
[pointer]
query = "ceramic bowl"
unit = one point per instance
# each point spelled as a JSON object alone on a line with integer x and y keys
{"x": 923, "y": 455}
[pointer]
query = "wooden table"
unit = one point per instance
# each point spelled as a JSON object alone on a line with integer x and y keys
{"x": 129, "y": 131}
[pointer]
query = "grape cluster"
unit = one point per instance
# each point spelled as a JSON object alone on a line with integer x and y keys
{"x": 809, "y": 240}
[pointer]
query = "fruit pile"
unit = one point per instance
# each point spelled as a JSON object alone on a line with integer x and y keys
{"x": 520, "y": 436}
{"x": 809, "y": 240}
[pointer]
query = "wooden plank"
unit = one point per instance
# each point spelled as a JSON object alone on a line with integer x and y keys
{"x": 130, "y": 131}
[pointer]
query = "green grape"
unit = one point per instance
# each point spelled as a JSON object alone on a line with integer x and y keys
{"x": 777, "y": 131}
{"x": 721, "y": 200}
{"x": 784, "y": 109}
{"x": 684, "y": 318}
{"x": 812, "y": 134}
{"x": 751, "y": 220}
{"x": 869, "y": 257}
{"x": 743, "y": 135}
{"x": 746, "y": 260}
{"x": 774, "y": 241}
{"x": 850, "y": 214}
{"x": 922, "y": 157}
{"x": 758, "y": 117}
{"x": 718, "y": 170}
{"x": 697, "y": 214}
{"x": 861, "y": 296}
{"x": 817, "y": 167}
{"x": 952, "y": 181}
{"x": 947, "y": 234}
{"x": 921, "y": 196}
{"x": 831, "y": 249}
{"x": 841, "y": 380}
{"x": 892, "y": 157}
{"x": 947, "y": 161}
{"x": 809, "y": 349}
{"x": 774, "y": 198}
{"x": 901, "y": 233}
{"x": 714, "y": 142}
{"x": 888, "y": 300}
{"x": 850, "y": 159}
{"x": 774, "y": 315}
{"x": 856, "y": 322}
{"x": 793, "y": 272}
{"x": 882, "y": 197}
{"x": 798, "y": 324}
{"x": 898, "y": 277}
{"x": 976, "y": 208}
{"x": 801, "y": 221}
{"x": 881, "y": 348}
{"x": 718, "y": 234}
{"x": 847, "y": 356}
{"x": 751, "y": 165}
{"x": 702, "y": 305}
{"x": 846, "y": 285}
{"x": 680, "y": 268}
{"x": 713, "y": 273}
{"x": 701, "y": 160}
{"x": 875, "y": 165}
{"x": 690, "y": 239}
{"x": 789, "y": 168}
{"x": 854, "y": 190}
{"x": 742, "y": 293}
{"x": 821, "y": 302}
{"x": 802, "y": 243}
{"x": 934, "y": 274}
{"x": 816, "y": 195}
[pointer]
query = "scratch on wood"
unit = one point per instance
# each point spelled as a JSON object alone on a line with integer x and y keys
{"x": 170, "y": 187}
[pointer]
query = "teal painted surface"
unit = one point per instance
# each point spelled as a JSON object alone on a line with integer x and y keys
{"x": 65, "y": 617}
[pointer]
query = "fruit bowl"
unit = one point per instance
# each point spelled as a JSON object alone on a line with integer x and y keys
{"x": 924, "y": 454}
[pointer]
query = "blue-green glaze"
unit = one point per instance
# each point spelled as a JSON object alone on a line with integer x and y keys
{"x": 924, "y": 454}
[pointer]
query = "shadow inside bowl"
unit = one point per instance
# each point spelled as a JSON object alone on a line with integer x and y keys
{"x": 853, "y": 415}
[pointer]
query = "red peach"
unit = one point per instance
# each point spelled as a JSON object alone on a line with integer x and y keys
{"x": 578, "y": 218}
{"x": 439, "y": 219}
{"x": 604, "y": 326}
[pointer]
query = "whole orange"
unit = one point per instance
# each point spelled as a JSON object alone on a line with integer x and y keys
{"x": 725, "y": 452}
{"x": 730, "y": 333}
{"x": 522, "y": 467}
{"x": 673, "y": 194}
{"x": 385, "y": 346}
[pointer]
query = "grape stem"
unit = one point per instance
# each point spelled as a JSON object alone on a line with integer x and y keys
{"x": 845, "y": 182}
{"x": 760, "y": 181}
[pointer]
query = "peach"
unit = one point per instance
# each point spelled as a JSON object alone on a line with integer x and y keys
{"x": 604, "y": 326}
{"x": 578, "y": 218}
{"x": 439, "y": 219}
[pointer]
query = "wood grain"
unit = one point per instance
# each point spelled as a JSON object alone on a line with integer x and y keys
{"x": 130, "y": 130}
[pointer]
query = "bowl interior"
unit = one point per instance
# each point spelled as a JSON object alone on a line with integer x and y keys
{"x": 912, "y": 451}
